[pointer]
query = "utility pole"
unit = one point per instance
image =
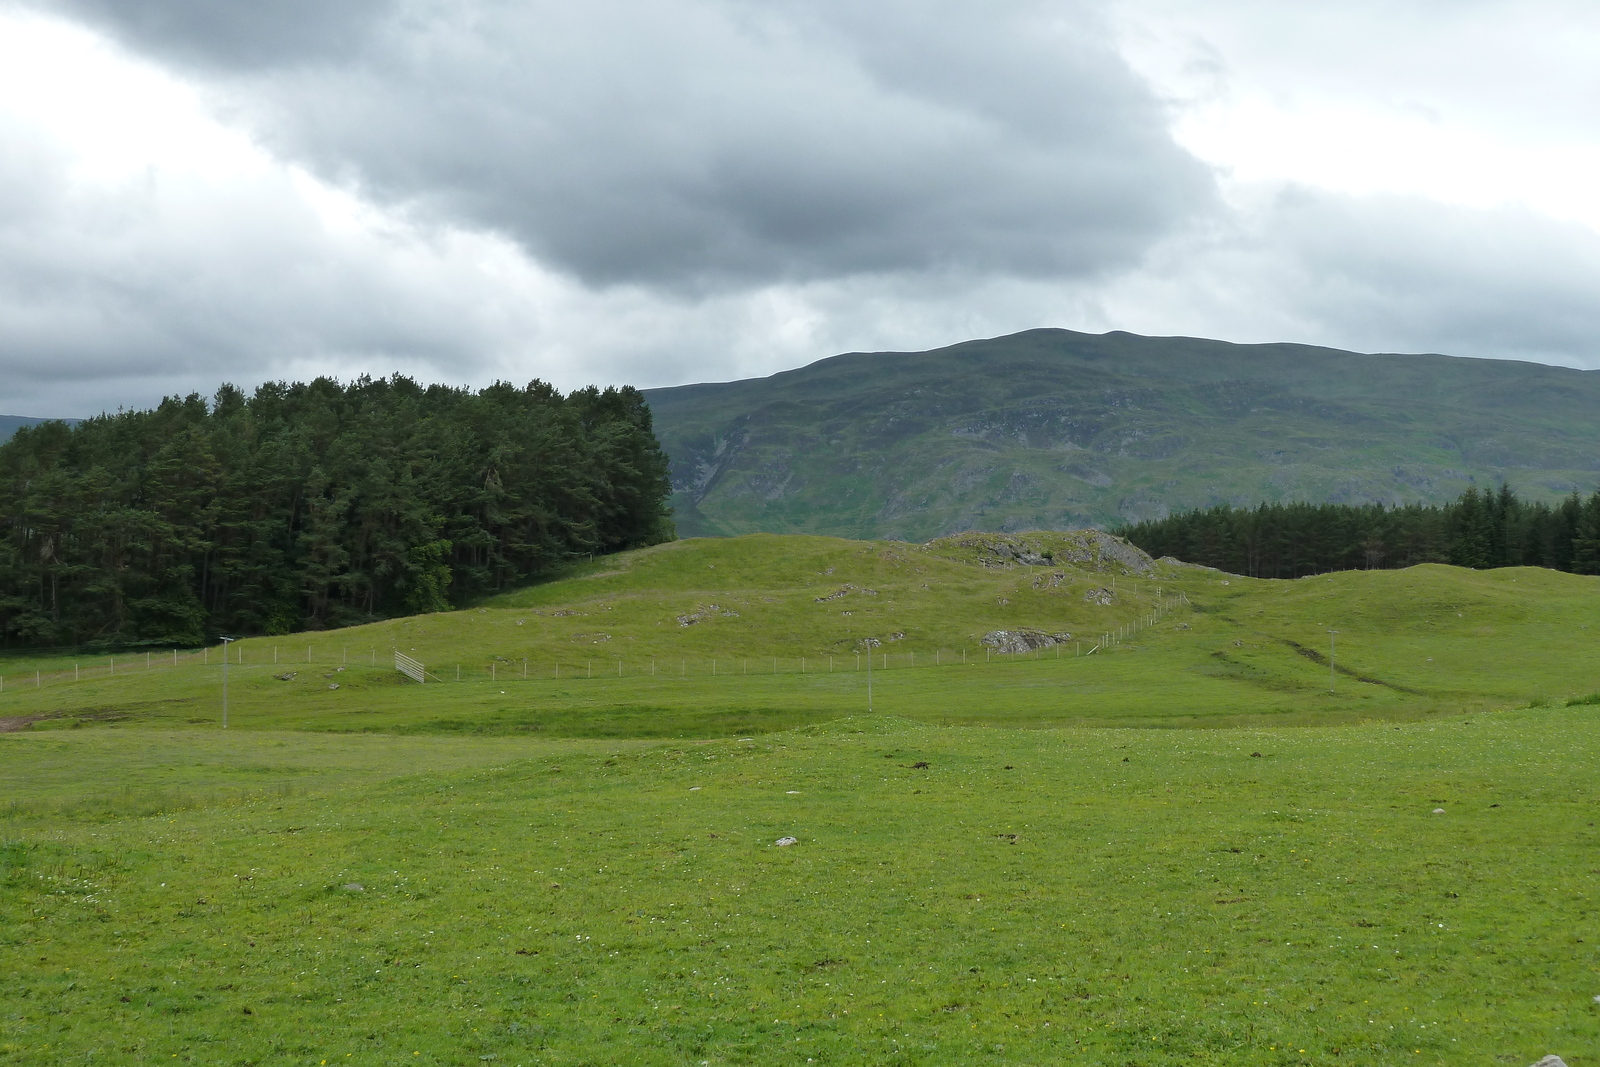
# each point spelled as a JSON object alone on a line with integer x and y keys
{"x": 1333, "y": 647}
{"x": 225, "y": 642}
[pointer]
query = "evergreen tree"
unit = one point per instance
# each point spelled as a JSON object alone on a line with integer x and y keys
{"x": 311, "y": 505}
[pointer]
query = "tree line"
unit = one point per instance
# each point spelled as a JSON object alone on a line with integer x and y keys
{"x": 313, "y": 505}
{"x": 1482, "y": 529}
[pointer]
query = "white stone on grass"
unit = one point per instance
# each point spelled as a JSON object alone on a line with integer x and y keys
{"x": 785, "y": 842}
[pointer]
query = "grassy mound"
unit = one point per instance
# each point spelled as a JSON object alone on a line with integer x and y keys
{"x": 709, "y": 638}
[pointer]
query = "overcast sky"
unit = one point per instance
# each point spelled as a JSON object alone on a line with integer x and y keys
{"x": 664, "y": 191}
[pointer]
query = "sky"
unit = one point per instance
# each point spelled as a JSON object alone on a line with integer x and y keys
{"x": 656, "y": 192}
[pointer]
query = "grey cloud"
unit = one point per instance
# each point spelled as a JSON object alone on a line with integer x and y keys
{"x": 116, "y": 292}
{"x": 225, "y": 34}
{"x": 1402, "y": 272}
{"x": 1369, "y": 273}
{"x": 707, "y": 144}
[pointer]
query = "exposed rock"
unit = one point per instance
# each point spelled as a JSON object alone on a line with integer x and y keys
{"x": 355, "y": 887}
{"x": 709, "y": 611}
{"x": 1550, "y": 1061}
{"x": 1083, "y": 548}
{"x": 1009, "y": 641}
{"x": 287, "y": 676}
{"x": 1099, "y": 596}
{"x": 785, "y": 842}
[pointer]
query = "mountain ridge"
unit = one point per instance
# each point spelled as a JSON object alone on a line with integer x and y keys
{"x": 1055, "y": 429}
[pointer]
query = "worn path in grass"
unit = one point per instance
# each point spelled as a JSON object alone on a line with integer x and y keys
{"x": 957, "y": 896}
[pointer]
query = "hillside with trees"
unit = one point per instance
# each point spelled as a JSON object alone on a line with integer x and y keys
{"x": 1480, "y": 530}
{"x": 313, "y": 505}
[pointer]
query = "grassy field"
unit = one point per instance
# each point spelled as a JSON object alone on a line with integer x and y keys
{"x": 1042, "y": 896}
{"x": 584, "y": 870}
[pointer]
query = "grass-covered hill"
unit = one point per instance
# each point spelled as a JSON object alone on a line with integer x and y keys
{"x": 592, "y": 867}
{"x": 716, "y": 637}
{"x": 1054, "y": 429}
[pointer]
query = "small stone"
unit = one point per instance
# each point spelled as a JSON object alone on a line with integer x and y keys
{"x": 793, "y": 792}
{"x": 785, "y": 842}
{"x": 355, "y": 887}
{"x": 1438, "y": 811}
{"x": 334, "y": 685}
{"x": 1550, "y": 1061}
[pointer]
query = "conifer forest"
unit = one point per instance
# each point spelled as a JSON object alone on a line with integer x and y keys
{"x": 1480, "y": 530}
{"x": 313, "y": 505}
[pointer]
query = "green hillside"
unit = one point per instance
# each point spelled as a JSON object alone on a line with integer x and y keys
{"x": 717, "y": 637}
{"x": 1052, "y": 429}
{"x": 656, "y": 821}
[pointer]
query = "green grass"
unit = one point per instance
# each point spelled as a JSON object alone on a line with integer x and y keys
{"x": 576, "y": 870}
{"x": 1085, "y": 896}
{"x": 1223, "y": 651}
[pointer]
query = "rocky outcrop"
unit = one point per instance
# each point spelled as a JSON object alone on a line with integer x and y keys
{"x": 1016, "y": 641}
{"x": 1086, "y": 549}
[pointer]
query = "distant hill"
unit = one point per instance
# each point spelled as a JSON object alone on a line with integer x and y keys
{"x": 1052, "y": 429}
{"x": 10, "y": 424}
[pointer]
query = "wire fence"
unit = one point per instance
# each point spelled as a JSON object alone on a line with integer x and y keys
{"x": 288, "y": 659}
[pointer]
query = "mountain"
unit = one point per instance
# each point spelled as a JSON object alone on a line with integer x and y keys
{"x": 10, "y": 424}
{"x": 1053, "y": 429}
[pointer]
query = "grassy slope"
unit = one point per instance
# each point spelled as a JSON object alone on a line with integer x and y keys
{"x": 1055, "y": 429}
{"x": 1423, "y": 641}
{"x": 169, "y": 892}
{"x": 1088, "y": 896}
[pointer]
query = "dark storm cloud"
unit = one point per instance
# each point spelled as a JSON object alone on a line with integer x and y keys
{"x": 702, "y": 144}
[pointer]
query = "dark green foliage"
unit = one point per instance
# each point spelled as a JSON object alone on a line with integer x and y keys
{"x": 306, "y": 506}
{"x": 1479, "y": 530}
